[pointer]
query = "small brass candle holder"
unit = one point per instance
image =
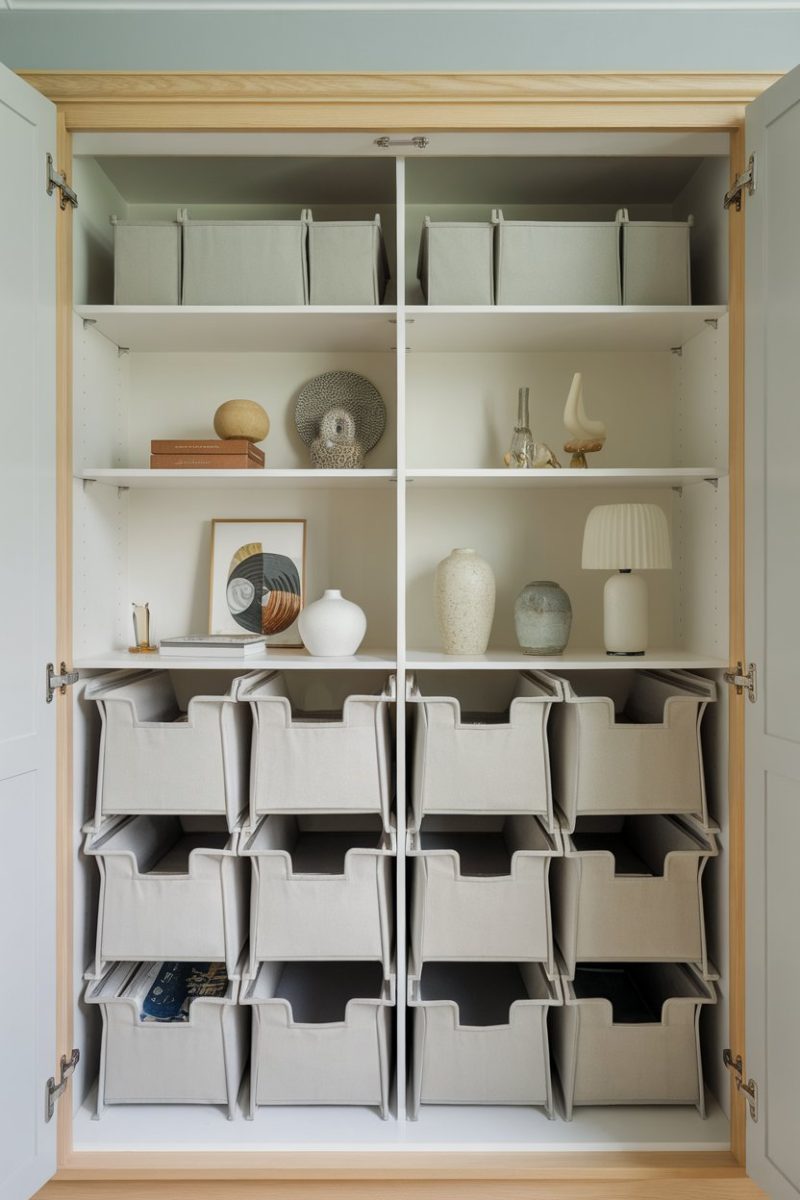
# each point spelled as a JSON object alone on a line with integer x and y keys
{"x": 141, "y": 631}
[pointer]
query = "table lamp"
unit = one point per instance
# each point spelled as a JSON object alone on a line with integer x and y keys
{"x": 626, "y": 538}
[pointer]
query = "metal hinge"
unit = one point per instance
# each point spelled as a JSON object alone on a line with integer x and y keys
{"x": 54, "y": 1091}
{"x": 749, "y": 1089}
{"x": 744, "y": 182}
{"x": 59, "y": 683}
{"x": 743, "y": 681}
{"x": 385, "y": 142}
{"x": 57, "y": 179}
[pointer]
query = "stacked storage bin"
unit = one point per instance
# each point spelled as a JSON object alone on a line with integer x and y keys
{"x": 481, "y": 841}
{"x": 171, "y": 789}
{"x": 322, "y": 847}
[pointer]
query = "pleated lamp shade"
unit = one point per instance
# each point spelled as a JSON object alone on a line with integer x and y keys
{"x": 626, "y": 537}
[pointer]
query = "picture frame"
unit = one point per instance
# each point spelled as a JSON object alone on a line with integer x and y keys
{"x": 254, "y": 557}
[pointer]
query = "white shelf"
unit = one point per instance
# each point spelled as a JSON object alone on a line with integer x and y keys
{"x": 638, "y": 477}
{"x": 276, "y": 660}
{"x": 572, "y": 660}
{"x": 529, "y": 330}
{"x": 143, "y": 477}
{"x": 240, "y": 329}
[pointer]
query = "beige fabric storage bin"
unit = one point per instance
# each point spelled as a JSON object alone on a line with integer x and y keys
{"x": 347, "y": 262}
{"x": 318, "y": 762}
{"x": 456, "y": 262}
{"x": 169, "y": 890}
{"x": 161, "y": 755}
{"x": 480, "y": 1034}
{"x": 483, "y": 763}
{"x": 629, "y": 742}
{"x": 557, "y": 262}
{"x": 245, "y": 262}
{"x": 198, "y": 1061}
{"x": 321, "y": 1034}
{"x": 629, "y": 889}
{"x": 630, "y": 1035}
{"x": 480, "y": 890}
{"x": 322, "y": 889}
{"x": 656, "y": 261}
{"x": 147, "y": 262}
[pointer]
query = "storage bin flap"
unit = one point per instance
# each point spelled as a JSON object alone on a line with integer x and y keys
{"x": 676, "y": 989}
{"x": 260, "y": 990}
{"x": 466, "y": 978}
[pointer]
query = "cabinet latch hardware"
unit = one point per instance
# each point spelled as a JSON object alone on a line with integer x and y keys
{"x": 743, "y": 681}
{"x": 57, "y": 179}
{"x": 54, "y": 1091}
{"x": 746, "y": 182}
{"x": 749, "y": 1089}
{"x": 385, "y": 142}
{"x": 59, "y": 683}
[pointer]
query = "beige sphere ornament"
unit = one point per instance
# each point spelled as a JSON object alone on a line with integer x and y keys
{"x": 241, "y": 419}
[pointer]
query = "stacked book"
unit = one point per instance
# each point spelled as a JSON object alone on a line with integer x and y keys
{"x": 203, "y": 454}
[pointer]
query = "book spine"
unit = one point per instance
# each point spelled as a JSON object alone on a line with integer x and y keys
{"x": 204, "y": 462}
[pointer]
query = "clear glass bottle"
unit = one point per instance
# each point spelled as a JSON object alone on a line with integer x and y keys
{"x": 521, "y": 452}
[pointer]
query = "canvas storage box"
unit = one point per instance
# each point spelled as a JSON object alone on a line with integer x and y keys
{"x": 245, "y": 262}
{"x": 656, "y": 261}
{"x": 321, "y": 1034}
{"x": 480, "y": 889}
{"x": 169, "y": 890}
{"x": 322, "y": 888}
{"x": 629, "y": 889}
{"x": 557, "y": 262}
{"x": 629, "y": 742}
{"x": 147, "y": 262}
{"x": 347, "y": 262}
{"x": 456, "y": 262}
{"x": 323, "y": 762}
{"x": 480, "y": 1034}
{"x": 198, "y": 1061}
{"x": 479, "y": 762}
{"x": 630, "y": 1035}
{"x": 168, "y": 753}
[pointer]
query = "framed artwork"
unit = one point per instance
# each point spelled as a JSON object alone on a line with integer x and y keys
{"x": 258, "y": 576}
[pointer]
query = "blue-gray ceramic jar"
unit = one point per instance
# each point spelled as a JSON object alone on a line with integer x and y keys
{"x": 542, "y": 618}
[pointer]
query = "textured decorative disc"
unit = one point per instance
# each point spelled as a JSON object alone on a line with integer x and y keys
{"x": 263, "y": 590}
{"x": 341, "y": 389}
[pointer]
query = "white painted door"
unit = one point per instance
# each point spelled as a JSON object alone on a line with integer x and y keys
{"x": 27, "y": 636}
{"x": 772, "y": 544}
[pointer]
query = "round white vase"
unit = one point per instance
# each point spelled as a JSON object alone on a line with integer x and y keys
{"x": 465, "y": 592}
{"x": 332, "y": 627}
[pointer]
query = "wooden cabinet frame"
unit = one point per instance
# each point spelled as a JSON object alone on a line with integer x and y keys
{"x": 415, "y": 103}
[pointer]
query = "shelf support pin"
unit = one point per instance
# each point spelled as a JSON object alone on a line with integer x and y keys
{"x": 123, "y": 350}
{"x": 678, "y": 490}
{"x": 712, "y": 322}
{"x": 676, "y": 350}
{"x": 88, "y": 322}
{"x": 713, "y": 480}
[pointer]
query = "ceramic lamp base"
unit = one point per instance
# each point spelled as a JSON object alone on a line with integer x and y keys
{"x": 625, "y": 614}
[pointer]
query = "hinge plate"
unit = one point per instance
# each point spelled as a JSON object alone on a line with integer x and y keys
{"x": 58, "y": 683}
{"x": 57, "y": 179}
{"x": 54, "y": 1091}
{"x": 750, "y": 1089}
{"x": 744, "y": 182}
{"x": 743, "y": 680}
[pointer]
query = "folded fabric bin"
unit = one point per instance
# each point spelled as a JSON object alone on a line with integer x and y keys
{"x": 480, "y": 1034}
{"x": 193, "y": 1054}
{"x": 629, "y": 889}
{"x": 557, "y": 262}
{"x": 480, "y": 890}
{"x": 245, "y": 262}
{"x": 347, "y": 262}
{"x": 629, "y": 1034}
{"x": 629, "y": 742}
{"x": 456, "y": 262}
{"x": 147, "y": 262}
{"x": 321, "y": 1034}
{"x": 491, "y": 763}
{"x": 322, "y": 888}
{"x": 169, "y": 890}
{"x": 318, "y": 762}
{"x": 656, "y": 261}
{"x": 163, "y": 754}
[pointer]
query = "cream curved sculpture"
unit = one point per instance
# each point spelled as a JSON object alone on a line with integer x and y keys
{"x": 588, "y": 436}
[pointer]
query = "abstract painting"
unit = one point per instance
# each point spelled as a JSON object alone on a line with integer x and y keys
{"x": 257, "y": 578}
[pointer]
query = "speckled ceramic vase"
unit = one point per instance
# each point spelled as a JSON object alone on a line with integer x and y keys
{"x": 464, "y": 591}
{"x": 542, "y": 618}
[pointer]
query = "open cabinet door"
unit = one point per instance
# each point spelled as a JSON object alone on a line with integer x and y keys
{"x": 27, "y": 635}
{"x": 772, "y": 548}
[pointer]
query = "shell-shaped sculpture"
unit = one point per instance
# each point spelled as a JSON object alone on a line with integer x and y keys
{"x": 575, "y": 419}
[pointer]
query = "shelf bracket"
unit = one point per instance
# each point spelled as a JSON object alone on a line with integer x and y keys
{"x": 88, "y": 322}
{"x": 123, "y": 350}
{"x": 712, "y": 322}
{"x": 676, "y": 350}
{"x": 713, "y": 480}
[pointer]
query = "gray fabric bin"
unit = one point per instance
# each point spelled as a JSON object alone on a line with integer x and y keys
{"x": 147, "y": 262}
{"x": 245, "y": 262}
{"x": 456, "y": 262}
{"x": 656, "y": 261}
{"x": 347, "y": 262}
{"x": 557, "y": 262}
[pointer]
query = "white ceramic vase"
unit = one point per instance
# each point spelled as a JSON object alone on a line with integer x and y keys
{"x": 465, "y": 594}
{"x": 332, "y": 627}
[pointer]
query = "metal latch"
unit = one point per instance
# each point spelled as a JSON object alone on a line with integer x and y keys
{"x": 59, "y": 683}
{"x": 743, "y": 681}
{"x": 420, "y": 143}
{"x": 57, "y": 179}
{"x": 54, "y": 1091}
{"x": 744, "y": 182}
{"x": 749, "y": 1089}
